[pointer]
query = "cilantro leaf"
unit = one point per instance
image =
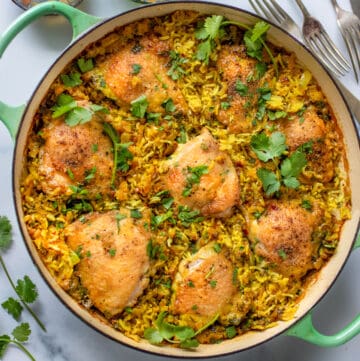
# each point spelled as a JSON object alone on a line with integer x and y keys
{"x": 5, "y": 233}
{"x": 72, "y": 79}
{"x": 85, "y": 65}
{"x": 293, "y": 165}
{"x": 64, "y": 103}
{"x": 270, "y": 182}
{"x": 230, "y": 332}
{"x": 139, "y": 106}
{"x": 176, "y": 71}
{"x": 4, "y": 342}
{"x": 169, "y": 105}
{"x": 153, "y": 336}
{"x": 135, "y": 69}
{"x": 187, "y": 216}
{"x": 212, "y": 25}
{"x": 78, "y": 115}
{"x": 22, "y": 332}
{"x": 291, "y": 182}
{"x": 204, "y": 50}
{"x": 192, "y": 343}
{"x": 13, "y": 307}
{"x": 135, "y": 213}
{"x": 241, "y": 88}
{"x": 267, "y": 148}
{"x": 26, "y": 290}
{"x": 254, "y": 39}
{"x": 195, "y": 174}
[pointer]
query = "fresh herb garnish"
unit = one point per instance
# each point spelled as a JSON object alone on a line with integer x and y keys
{"x": 182, "y": 335}
{"x": 19, "y": 334}
{"x": 279, "y": 114}
{"x": 135, "y": 213}
{"x": 264, "y": 96}
{"x": 135, "y": 69}
{"x": 24, "y": 288}
{"x": 267, "y": 148}
{"x": 74, "y": 114}
{"x": 217, "y": 247}
{"x": 195, "y": 174}
{"x": 169, "y": 105}
{"x": 119, "y": 217}
{"x": 156, "y": 221}
{"x": 71, "y": 80}
{"x": 306, "y": 204}
{"x": 269, "y": 180}
{"x": 254, "y": 39}
{"x": 230, "y": 332}
{"x": 122, "y": 155}
{"x": 282, "y": 254}
{"x": 90, "y": 174}
{"x": 85, "y": 65}
{"x": 138, "y": 106}
{"x": 176, "y": 71}
{"x": 241, "y": 88}
{"x": 112, "y": 252}
{"x": 291, "y": 167}
{"x": 188, "y": 216}
{"x": 182, "y": 138}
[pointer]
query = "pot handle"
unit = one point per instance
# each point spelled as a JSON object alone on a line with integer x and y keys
{"x": 305, "y": 329}
{"x": 79, "y": 21}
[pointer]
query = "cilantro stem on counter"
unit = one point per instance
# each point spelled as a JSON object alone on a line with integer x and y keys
{"x": 20, "y": 334}
{"x": 25, "y": 288}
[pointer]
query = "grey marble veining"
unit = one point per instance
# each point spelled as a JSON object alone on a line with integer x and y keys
{"x": 68, "y": 338}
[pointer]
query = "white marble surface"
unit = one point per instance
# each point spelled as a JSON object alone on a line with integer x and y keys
{"x": 67, "y": 337}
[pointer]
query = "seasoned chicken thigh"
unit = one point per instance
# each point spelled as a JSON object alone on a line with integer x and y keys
{"x": 203, "y": 285}
{"x": 113, "y": 259}
{"x": 201, "y": 176}
{"x": 73, "y": 155}
{"x": 236, "y": 67}
{"x": 310, "y": 128}
{"x": 283, "y": 236}
{"x": 139, "y": 69}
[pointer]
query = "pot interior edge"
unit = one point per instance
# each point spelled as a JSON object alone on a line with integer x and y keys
{"x": 328, "y": 273}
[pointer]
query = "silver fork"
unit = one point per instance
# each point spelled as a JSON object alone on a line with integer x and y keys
{"x": 320, "y": 43}
{"x": 349, "y": 25}
{"x": 270, "y": 10}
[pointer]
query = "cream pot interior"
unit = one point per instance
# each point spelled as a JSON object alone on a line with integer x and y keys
{"x": 277, "y": 36}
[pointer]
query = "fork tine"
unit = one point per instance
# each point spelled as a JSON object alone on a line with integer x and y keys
{"x": 353, "y": 49}
{"x": 279, "y": 9}
{"x": 273, "y": 12}
{"x": 260, "y": 10}
{"x": 335, "y": 52}
{"x": 318, "y": 50}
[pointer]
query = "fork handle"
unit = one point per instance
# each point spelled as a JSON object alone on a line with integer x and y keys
{"x": 303, "y": 8}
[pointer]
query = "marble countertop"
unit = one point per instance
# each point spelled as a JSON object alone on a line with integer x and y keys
{"x": 67, "y": 337}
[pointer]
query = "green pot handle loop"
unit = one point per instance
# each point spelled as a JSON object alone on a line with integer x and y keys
{"x": 305, "y": 329}
{"x": 79, "y": 21}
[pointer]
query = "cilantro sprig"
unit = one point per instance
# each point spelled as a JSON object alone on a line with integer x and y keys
{"x": 24, "y": 288}
{"x": 213, "y": 28}
{"x": 74, "y": 114}
{"x": 267, "y": 148}
{"x": 20, "y": 334}
{"x": 182, "y": 335}
{"x": 194, "y": 176}
{"x": 122, "y": 155}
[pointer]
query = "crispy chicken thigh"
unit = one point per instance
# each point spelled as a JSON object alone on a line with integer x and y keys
{"x": 283, "y": 236}
{"x": 216, "y": 190}
{"x": 124, "y": 84}
{"x": 235, "y": 66}
{"x": 203, "y": 285}
{"x": 73, "y": 155}
{"x": 113, "y": 259}
{"x": 310, "y": 128}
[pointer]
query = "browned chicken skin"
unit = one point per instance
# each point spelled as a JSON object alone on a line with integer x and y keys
{"x": 203, "y": 285}
{"x": 150, "y": 80}
{"x": 283, "y": 236}
{"x": 310, "y": 128}
{"x": 217, "y": 190}
{"x": 235, "y": 65}
{"x": 114, "y": 262}
{"x": 71, "y": 154}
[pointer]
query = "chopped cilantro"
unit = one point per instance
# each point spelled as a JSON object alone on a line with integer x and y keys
{"x": 119, "y": 217}
{"x": 85, "y": 65}
{"x": 94, "y": 148}
{"x": 306, "y": 204}
{"x": 276, "y": 115}
{"x": 225, "y": 105}
{"x": 254, "y": 39}
{"x": 191, "y": 284}
{"x": 241, "y": 88}
{"x": 169, "y": 105}
{"x": 195, "y": 173}
{"x": 176, "y": 71}
{"x": 156, "y": 221}
{"x": 230, "y": 332}
{"x": 213, "y": 283}
{"x": 270, "y": 182}
{"x": 217, "y": 247}
{"x": 139, "y": 106}
{"x": 112, "y": 252}
{"x": 135, "y": 213}
{"x": 135, "y": 69}
{"x": 282, "y": 254}
{"x": 72, "y": 79}
{"x": 90, "y": 174}
{"x": 182, "y": 138}
{"x": 187, "y": 216}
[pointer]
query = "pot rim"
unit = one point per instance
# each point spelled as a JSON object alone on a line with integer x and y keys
{"x": 63, "y": 53}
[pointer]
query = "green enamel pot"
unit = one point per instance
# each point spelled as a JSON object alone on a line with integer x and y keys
{"x": 88, "y": 29}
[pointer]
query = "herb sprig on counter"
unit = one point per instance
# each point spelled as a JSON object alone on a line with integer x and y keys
{"x": 27, "y": 293}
